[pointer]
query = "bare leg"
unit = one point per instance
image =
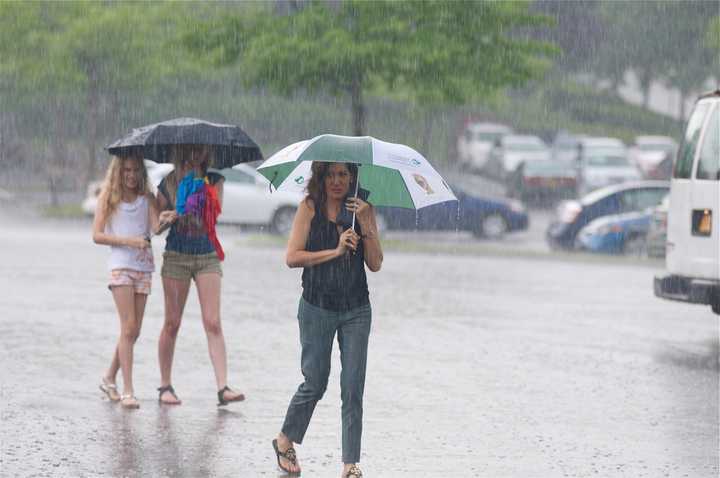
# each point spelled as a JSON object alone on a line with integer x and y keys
{"x": 140, "y": 301}
{"x": 175, "y": 292}
{"x": 125, "y": 301}
{"x": 208, "y": 287}
{"x": 111, "y": 373}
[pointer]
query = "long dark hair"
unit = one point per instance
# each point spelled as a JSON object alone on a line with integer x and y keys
{"x": 316, "y": 186}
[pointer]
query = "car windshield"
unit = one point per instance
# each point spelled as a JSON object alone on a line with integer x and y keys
{"x": 235, "y": 175}
{"x": 488, "y": 137}
{"x": 656, "y": 147}
{"x": 595, "y": 196}
{"x": 556, "y": 168}
{"x": 529, "y": 146}
{"x": 607, "y": 161}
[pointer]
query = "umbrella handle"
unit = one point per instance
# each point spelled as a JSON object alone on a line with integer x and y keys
{"x": 271, "y": 182}
{"x": 357, "y": 184}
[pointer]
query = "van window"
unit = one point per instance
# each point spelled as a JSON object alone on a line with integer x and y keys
{"x": 709, "y": 162}
{"x": 683, "y": 166}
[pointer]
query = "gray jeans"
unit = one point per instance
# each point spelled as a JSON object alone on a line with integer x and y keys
{"x": 317, "y": 333}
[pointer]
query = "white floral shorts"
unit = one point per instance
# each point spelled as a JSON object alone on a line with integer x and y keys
{"x": 140, "y": 281}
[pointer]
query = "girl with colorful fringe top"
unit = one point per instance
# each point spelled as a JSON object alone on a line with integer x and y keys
{"x": 193, "y": 196}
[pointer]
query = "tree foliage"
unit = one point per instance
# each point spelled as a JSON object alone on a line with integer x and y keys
{"x": 430, "y": 52}
{"x": 60, "y": 54}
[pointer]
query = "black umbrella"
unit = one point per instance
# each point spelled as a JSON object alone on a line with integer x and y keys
{"x": 231, "y": 145}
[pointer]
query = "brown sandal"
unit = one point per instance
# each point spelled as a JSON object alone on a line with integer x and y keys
{"x": 353, "y": 472}
{"x": 289, "y": 455}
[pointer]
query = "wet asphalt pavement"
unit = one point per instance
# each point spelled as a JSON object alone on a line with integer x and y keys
{"x": 480, "y": 364}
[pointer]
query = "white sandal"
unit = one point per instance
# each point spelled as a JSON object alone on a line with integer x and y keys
{"x": 110, "y": 389}
{"x": 133, "y": 404}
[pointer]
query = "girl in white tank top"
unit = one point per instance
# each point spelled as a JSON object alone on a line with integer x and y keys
{"x": 131, "y": 219}
{"x": 125, "y": 219}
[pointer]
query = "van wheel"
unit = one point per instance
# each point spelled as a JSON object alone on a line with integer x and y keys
{"x": 715, "y": 303}
{"x": 282, "y": 220}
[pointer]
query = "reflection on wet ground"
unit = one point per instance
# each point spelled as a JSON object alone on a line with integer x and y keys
{"x": 480, "y": 365}
{"x": 697, "y": 357}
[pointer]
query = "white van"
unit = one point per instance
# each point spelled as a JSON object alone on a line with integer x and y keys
{"x": 693, "y": 236}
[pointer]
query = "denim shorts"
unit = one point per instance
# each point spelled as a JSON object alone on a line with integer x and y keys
{"x": 177, "y": 265}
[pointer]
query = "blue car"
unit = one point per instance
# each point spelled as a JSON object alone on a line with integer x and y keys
{"x": 623, "y": 198}
{"x": 484, "y": 217}
{"x": 616, "y": 234}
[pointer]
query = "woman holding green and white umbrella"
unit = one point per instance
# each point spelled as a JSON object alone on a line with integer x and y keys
{"x": 334, "y": 236}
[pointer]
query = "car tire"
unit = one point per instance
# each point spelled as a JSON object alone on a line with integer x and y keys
{"x": 635, "y": 246}
{"x": 381, "y": 223}
{"x": 492, "y": 226}
{"x": 282, "y": 220}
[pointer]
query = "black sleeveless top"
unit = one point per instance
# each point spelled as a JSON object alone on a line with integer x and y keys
{"x": 339, "y": 284}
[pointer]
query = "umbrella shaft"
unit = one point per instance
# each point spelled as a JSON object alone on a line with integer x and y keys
{"x": 357, "y": 184}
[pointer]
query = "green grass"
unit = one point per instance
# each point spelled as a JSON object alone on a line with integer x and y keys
{"x": 64, "y": 211}
{"x": 476, "y": 248}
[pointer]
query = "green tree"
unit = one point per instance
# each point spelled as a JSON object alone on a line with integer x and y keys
{"x": 430, "y": 52}
{"x": 60, "y": 54}
{"x": 466, "y": 51}
{"x": 659, "y": 41}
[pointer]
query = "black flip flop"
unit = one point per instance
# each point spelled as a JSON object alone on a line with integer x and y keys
{"x": 221, "y": 397}
{"x": 167, "y": 388}
{"x": 289, "y": 455}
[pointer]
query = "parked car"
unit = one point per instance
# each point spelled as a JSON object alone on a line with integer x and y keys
{"x": 542, "y": 182}
{"x": 476, "y": 141}
{"x": 616, "y": 234}
{"x": 565, "y": 146}
{"x": 511, "y": 150}
{"x": 653, "y": 156}
{"x": 657, "y": 231}
{"x": 693, "y": 234}
{"x": 572, "y": 216}
{"x": 483, "y": 216}
{"x": 247, "y": 200}
{"x": 156, "y": 173}
{"x": 604, "y": 161}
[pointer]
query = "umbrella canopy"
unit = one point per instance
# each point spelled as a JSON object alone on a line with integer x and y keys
{"x": 395, "y": 174}
{"x": 231, "y": 145}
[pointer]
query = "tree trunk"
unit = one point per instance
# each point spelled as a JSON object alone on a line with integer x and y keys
{"x": 358, "y": 107}
{"x": 683, "y": 97}
{"x": 645, "y": 79}
{"x": 57, "y": 156}
{"x": 91, "y": 116}
{"x": 428, "y": 118}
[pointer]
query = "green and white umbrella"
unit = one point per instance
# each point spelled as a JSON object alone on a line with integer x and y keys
{"x": 396, "y": 175}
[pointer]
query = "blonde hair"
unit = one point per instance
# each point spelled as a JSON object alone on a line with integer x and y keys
{"x": 180, "y": 155}
{"x": 112, "y": 189}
